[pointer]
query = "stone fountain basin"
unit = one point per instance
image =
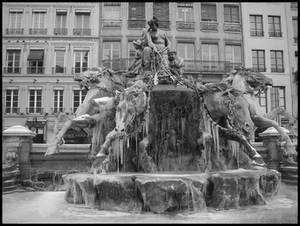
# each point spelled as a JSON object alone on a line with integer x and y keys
{"x": 175, "y": 191}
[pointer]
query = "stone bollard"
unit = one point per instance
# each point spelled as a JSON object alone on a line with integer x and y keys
{"x": 17, "y": 140}
{"x": 271, "y": 140}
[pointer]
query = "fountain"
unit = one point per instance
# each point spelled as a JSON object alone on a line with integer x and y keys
{"x": 174, "y": 145}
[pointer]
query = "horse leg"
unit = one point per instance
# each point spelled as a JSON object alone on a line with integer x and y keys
{"x": 251, "y": 152}
{"x": 145, "y": 160}
{"x": 289, "y": 151}
{"x": 110, "y": 137}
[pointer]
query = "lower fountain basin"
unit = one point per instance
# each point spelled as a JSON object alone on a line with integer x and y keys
{"x": 166, "y": 192}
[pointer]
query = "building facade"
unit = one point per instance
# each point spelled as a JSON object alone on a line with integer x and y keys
{"x": 46, "y": 44}
{"x": 267, "y": 46}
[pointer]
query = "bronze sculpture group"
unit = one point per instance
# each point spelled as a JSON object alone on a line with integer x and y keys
{"x": 117, "y": 106}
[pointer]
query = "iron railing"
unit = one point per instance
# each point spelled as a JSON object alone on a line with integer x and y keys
{"x": 208, "y": 26}
{"x": 279, "y": 70}
{"x": 13, "y": 110}
{"x": 164, "y": 24}
{"x": 112, "y": 23}
{"x": 118, "y": 64}
{"x": 58, "y": 70}
{"x": 259, "y": 69}
{"x": 57, "y": 110}
{"x": 136, "y": 24}
{"x": 15, "y": 31}
{"x": 81, "y": 31}
{"x": 60, "y": 31}
{"x": 275, "y": 34}
{"x": 32, "y": 110}
{"x": 258, "y": 33}
{"x": 37, "y": 31}
{"x": 12, "y": 70}
{"x": 35, "y": 70}
{"x": 78, "y": 70}
{"x": 232, "y": 27}
{"x": 184, "y": 25}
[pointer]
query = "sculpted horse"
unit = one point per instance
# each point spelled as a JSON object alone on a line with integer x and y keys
{"x": 97, "y": 110}
{"x": 250, "y": 83}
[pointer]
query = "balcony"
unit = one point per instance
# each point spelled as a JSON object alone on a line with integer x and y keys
{"x": 118, "y": 64}
{"x": 57, "y": 110}
{"x": 38, "y": 31}
{"x": 37, "y": 110}
{"x": 295, "y": 39}
{"x": 58, "y": 70}
{"x": 111, "y": 23}
{"x": 256, "y": 33}
{"x": 14, "y": 31}
{"x": 136, "y": 24}
{"x": 35, "y": 70}
{"x": 206, "y": 66}
{"x": 12, "y": 111}
{"x": 232, "y": 27}
{"x": 60, "y": 31}
{"x": 278, "y": 70}
{"x": 275, "y": 34}
{"x": 78, "y": 70}
{"x": 261, "y": 69}
{"x": 184, "y": 25}
{"x": 208, "y": 26}
{"x": 82, "y": 31}
{"x": 164, "y": 24}
{"x": 12, "y": 70}
{"x": 233, "y": 66}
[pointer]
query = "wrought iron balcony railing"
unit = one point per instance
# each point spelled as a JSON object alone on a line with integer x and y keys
{"x": 259, "y": 69}
{"x": 38, "y": 31}
{"x": 257, "y": 33}
{"x": 208, "y": 26}
{"x": 58, "y": 70}
{"x": 12, "y": 70}
{"x": 279, "y": 70}
{"x": 15, "y": 31}
{"x": 275, "y": 34}
{"x": 232, "y": 27}
{"x": 118, "y": 64}
{"x": 57, "y": 110}
{"x": 81, "y": 31}
{"x": 78, "y": 70}
{"x": 164, "y": 24}
{"x": 37, "y": 110}
{"x": 12, "y": 111}
{"x": 35, "y": 70}
{"x": 60, "y": 31}
{"x": 136, "y": 24}
{"x": 184, "y": 25}
{"x": 111, "y": 23}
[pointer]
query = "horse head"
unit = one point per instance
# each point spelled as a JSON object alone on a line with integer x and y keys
{"x": 132, "y": 102}
{"x": 249, "y": 80}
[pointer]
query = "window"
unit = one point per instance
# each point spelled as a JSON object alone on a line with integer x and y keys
{"x": 278, "y": 97}
{"x": 61, "y": 23}
{"x": 262, "y": 100}
{"x": 256, "y": 25}
{"x": 131, "y": 50}
{"x": 161, "y": 12}
{"x": 38, "y": 23}
{"x": 111, "y": 54}
{"x": 58, "y": 101}
{"x": 258, "y": 60}
{"x": 11, "y": 103}
{"x": 186, "y": 52}
{"x": 208, "y": 12}
{"x": 233, "y": 54}
{"x": 15, "y": 21}
{"x": 59, "y": 61}
{"x": 185, "y": 12}
{"x": 295, "y": 29}
{"x": 231, "y": 14}
{"x": 35, "y": 101}
{"x": 78, "y": 98}
{"x": 136, "y": 12}
{"x": 111, "y": 10}
{"x": 35, "y": 62}
{"x": 277, "y": 61}
{"x": 210, "y": 56}
{"x": 81, "y": 61}
{"x": 274, "y": 26}
{"x": 82, "y": 23}
{"x": 13, "y": 61}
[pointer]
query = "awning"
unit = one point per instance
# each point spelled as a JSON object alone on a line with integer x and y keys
{"x": 36, "y": 55}
{"x": 82, "y": 11}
